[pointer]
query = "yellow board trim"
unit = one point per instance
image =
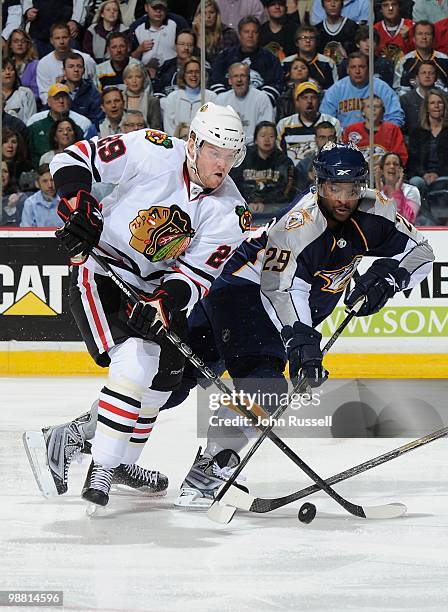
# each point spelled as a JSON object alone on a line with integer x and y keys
{"x": 368, "y": 365}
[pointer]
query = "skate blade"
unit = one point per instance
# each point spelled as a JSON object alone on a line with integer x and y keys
{"x": 36, "y": 451}
{"x": 125, "y": 491}
{"x": 192, "y": 501}
{"x": 94, "y": 511}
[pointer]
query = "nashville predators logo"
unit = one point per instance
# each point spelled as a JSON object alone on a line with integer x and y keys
{"x": 161, "y": 233}
{"x": 337, "y": 280}
{"x": 296, "y": 219}
{"x": 159, "y": 138}
{"x": 244, "y": 217}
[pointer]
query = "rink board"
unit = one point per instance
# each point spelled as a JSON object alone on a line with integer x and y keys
{"x": 407, "y": 339}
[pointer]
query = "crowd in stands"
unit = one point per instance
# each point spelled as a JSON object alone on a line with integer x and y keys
{"x": 296, "y": 71}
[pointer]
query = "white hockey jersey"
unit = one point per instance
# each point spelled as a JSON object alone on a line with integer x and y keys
{"x": 157, "y": 225}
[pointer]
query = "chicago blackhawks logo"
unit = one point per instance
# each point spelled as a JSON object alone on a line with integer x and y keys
{"x": 161, "y": 233}
{"x": 245, "y": 217}
{"x": 337, "y": 280}
{"x": 159, "y": 138}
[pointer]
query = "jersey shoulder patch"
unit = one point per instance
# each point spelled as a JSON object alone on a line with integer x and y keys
{"x": 376, "y": 203}
{"x": 160, "y": 139}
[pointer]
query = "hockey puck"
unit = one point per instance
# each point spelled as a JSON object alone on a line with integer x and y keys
{"x": 307, "y": 513}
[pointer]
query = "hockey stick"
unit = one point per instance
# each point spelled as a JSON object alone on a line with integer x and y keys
{"x": 223, "y": 513}
{"x": 245, "y": 501}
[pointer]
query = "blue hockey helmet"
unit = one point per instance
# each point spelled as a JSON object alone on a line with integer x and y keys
{"x": 341, "y": 163}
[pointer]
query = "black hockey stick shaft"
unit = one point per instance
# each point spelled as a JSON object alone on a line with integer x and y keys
{"x": 266, "y": 431}
{"x": 262, "y": 505}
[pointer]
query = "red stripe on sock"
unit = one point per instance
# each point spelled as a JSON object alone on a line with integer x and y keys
{"x": 116, "y": 410}
{"x": 142, "y": 431}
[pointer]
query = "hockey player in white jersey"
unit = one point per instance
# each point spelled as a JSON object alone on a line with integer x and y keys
{"x": 173, "y": 219}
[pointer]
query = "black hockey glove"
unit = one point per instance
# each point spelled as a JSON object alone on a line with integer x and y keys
{"x": 153, "y": 314}
{"x": 83, "y": 225}
{"x": 302, "y": 344}
{"x": 381, "y": 281}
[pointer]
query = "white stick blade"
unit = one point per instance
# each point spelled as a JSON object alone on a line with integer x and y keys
{"x": 221, "y": 513}
{"x": 238, "y": 498}
{"x": 387, "y": 511}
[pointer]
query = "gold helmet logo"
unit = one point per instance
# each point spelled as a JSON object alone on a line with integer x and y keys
{"x": 161, "y": 232}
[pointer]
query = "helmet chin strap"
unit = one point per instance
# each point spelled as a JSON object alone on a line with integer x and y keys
{"x": 193, "y": 165}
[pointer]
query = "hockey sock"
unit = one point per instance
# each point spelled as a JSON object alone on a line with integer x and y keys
{"x": 118, "y": 410}
{"x": 152, "y": 401}
{"x": 140, "y": 434}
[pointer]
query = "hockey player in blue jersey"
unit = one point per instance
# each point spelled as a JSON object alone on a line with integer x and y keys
{"x": 303, "y": 263}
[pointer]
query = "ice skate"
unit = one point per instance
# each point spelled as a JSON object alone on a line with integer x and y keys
{"x": 97, "y": 487}
{"x": 204, "y": 479}
{"x": 135, "y": 480}
{"x": 51, "y": 451}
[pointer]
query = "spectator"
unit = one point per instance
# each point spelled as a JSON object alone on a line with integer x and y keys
{"x": 24, "y": 56}
{"x": 110, "y": 72}
{"x": 85, "y": 97}
{"x": 14, "y": 123}
{"x": 19, "y": 101}
{"x": 42, "y": 15}
{"x": 322, "y": 68}
{"x": 336, "y": 28}
{"x": 63, "y": 133}
{"x": 132, "y": 121}
{"x": 428, "y": 143}
{"x": 39, "y": 124}
{"x": 154, "y": 38}
{"x": 218, "y": 36}
{"x": 441, "y": 36}
{"x": 383, "y": 68}
{"x": 387, "y": 136}
{"x": 165, "y": 80}
{"x": 299, "y": 72}
{"x": 296, "y": 133}
{"x": 266, "y": 178}
{"x": 389, "y": 179}
{"x": 323, "y": 132}
{"x": 265, "y": 68}
{"x": 50, "y": 68}
{"x": 412, "y": 101}
{"x": 182, "y": 130}
{"x": 232, "y": 11}
{"x": 40, "y": 209}
{"x": 183, "y": 103}
{"x": 113, "y": 107}
{"x": 277, "y": 33}
{"x": 11, "y": 17}
{"x": 406, "y": 68}
{"x": 136, "y": 96}
{"x": 12, "y": 199}
{"x": 299, "y": 10}
{"x": 107, "y": 19}
{"x": 344, "y": 99}
{"x": 430, "y": 10}
{"x": 15, "y": 153}
{"x": 252, "y": 105}
{"x": 395, "y": 32}
{"x": 356, "y": 10}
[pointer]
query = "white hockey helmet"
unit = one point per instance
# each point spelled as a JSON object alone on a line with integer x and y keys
{"x": 220, "y": 126}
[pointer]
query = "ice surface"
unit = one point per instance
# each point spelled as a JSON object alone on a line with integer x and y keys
{"x": 147, "y": 556}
